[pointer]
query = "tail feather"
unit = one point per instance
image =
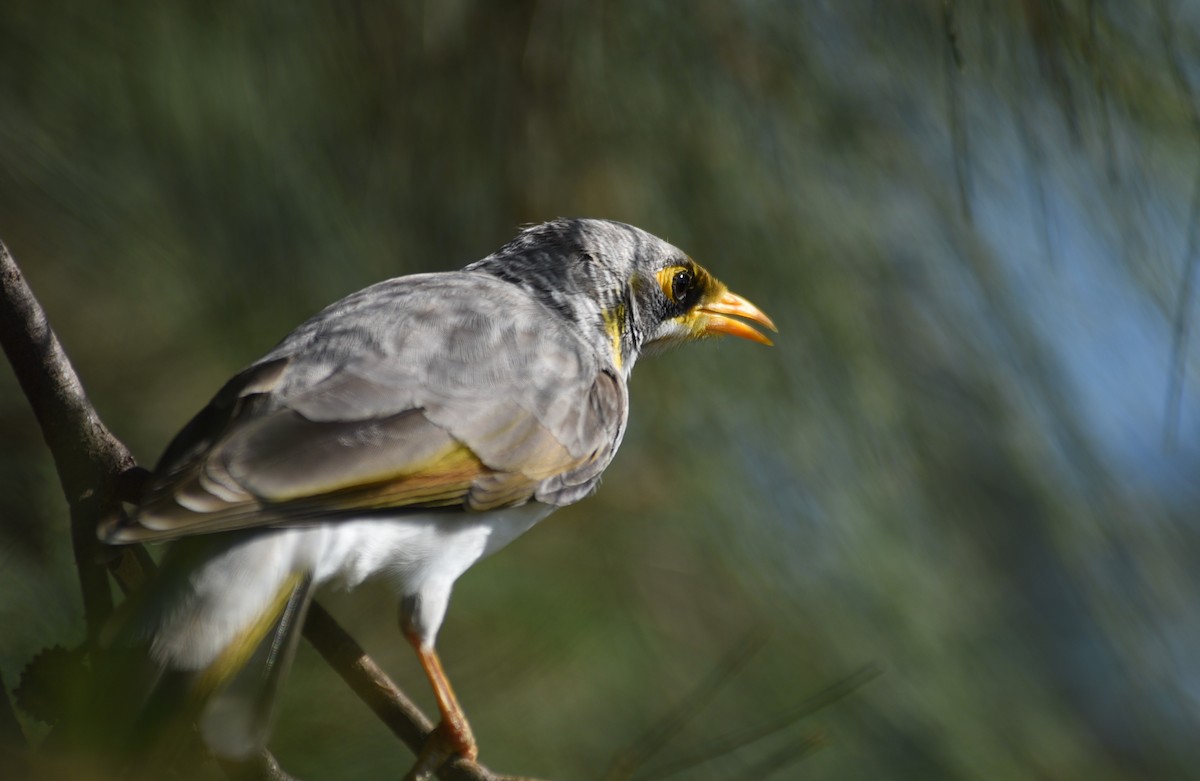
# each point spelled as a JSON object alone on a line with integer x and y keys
{"x": 237, "y": 719}
{"x": 142, "y": 714}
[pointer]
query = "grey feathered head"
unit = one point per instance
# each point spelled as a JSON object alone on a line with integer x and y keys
{"x": 639, "y": 293}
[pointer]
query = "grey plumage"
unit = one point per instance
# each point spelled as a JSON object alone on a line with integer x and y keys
{"x": 376, "y": 386}
{"x": 509, "y": 357}
{"x": 409, "y": 428}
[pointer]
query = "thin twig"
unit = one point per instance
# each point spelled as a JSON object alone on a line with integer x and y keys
{"x": 791, "y": 753}
{"x": 1183, "y": 306}
{"x": 735, "y": 741}
{"x": 1045, "y": 24}
{"x": 635, "y": 756}
{"x": 1175, "y": 63}
{"x": 1035, "y": 170}
{"x": 1183, "y": 320}
{"x": 954, "y": 105}
{"x": 264, "y": 767}
{"x": 1097, "y": 60}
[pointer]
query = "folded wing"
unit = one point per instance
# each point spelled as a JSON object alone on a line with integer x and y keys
{"x": 440, "y": 390}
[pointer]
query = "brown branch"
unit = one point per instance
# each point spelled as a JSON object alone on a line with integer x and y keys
{"x": 95, "y": 469}
{"x": 371, "y": 684}
{"x": 87, "y": 456}
{"x": 381, "y": 695}
{"x": 262, "y": 768}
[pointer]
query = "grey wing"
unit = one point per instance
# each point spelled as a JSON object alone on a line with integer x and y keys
{"x": 429, "y": 391}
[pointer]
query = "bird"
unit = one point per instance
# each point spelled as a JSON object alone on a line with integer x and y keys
{"x": 404, "y": 432}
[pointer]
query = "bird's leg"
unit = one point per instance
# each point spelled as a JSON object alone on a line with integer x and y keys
{"x": 452, "y": 736}
{"x": 453, "y": 727}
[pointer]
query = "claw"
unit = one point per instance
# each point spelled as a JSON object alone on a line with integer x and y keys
{"x": 445, "y": 742}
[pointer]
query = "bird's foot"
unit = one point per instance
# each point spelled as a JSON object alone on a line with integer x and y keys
{"x": 451, "y": 738}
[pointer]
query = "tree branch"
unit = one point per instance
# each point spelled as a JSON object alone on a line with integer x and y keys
{"x": 94, "y": 468}
{"x": 371, "y": 684}
{"x": 262, "y": 768}
{"x": 381, "y": 695}
{"x": 87, "y": 456}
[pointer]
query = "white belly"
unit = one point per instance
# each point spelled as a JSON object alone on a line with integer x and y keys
{"x": 216, "y": 586}
{"x": 413, "y": 550}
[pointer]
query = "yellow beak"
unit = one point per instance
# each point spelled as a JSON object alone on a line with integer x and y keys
{"x": 716, "y": 321}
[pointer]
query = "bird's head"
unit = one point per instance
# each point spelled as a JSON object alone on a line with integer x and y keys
{"x": 680, "y": 302}
{"x": 643, "y": 294}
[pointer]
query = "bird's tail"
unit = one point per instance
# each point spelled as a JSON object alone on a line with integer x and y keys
{"x": 236, "y": 720}
{"x": 141, "y": 714}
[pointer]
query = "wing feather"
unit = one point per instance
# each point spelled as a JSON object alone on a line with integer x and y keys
{"x": 444, "y": 390}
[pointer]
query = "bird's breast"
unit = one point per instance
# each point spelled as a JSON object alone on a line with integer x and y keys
{"x": 211, "y": 588}
{"x": 411, "y": 549}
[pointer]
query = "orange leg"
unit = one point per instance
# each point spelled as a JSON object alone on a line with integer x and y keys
{"x": 452, "y": 736}
{"x": 454, "y": 731}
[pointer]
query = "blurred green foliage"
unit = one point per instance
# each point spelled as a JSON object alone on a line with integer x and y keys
{"x": 951, "y": 466}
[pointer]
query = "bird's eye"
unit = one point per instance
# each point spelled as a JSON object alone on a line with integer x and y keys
{"x": 681, "y": 283}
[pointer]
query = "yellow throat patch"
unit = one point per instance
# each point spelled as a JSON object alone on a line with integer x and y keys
{"x": 614, "y": 325}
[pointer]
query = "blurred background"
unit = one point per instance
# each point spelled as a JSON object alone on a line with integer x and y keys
{"x": 955, "y": 504}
